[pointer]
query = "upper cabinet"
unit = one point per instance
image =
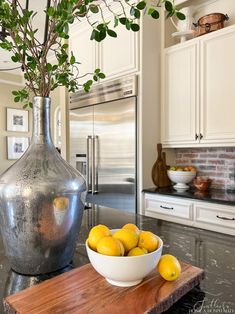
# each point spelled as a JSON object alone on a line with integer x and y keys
{"x": 114, "y": 56}
{"x": 85, "y": 50}
{"x": 198, "y": 101}
{"x": 119, "y": 56}
{"x": 179, "y": 118}
{"x": 217, "y": 74}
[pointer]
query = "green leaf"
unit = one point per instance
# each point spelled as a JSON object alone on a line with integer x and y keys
{"x": 50, "y": 11}
{"x": 101, "y": 75}
{"x": 141, "y": 5}
{"x": 128, "y": 24}
{"x": 93, "y": 34}
{"x": 65, "y": 46}
{"x": 137, "y": 14}
{"x": 15, "y": 58}
{"x": 94, "y": 8}
{"x": 101, "y": 26}
{"x": 48, "y": 67}
{"x": 72, "y": 59}
{"x": 95, "y": 78}
{"x": 168, "y": 6}
{"x": 116, "y": 20}
{"x": 180, "y": 16}
{"x": 17, "y": 99}
{"x": 132, "y": 10}
{"x": 111, "y": 33}
{"x": 102, "y": 34}
{"x": 97, "y": 71}
{"x": 123, "y": 20}
{"x": 135, "y": 27}
{"x": 155, "y": 14}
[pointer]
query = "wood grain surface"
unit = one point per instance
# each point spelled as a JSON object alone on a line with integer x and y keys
{"x": 83, "y": 290}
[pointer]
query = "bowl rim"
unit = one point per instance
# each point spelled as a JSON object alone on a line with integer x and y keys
{"x": 127, "y": 257}
{"x": 181, "y": 171}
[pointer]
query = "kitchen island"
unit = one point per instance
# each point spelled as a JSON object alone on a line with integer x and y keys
{"x": 211, "y": 251}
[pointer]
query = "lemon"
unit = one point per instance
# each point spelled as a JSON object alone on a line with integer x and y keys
{"x": 61, "y": 203}
{"x": 110, "y": 246}
{"x": 169, "y": 267}
{"x": 132, "y": 227}
{"x": 137, "y": 251}
{"x": 148, "y": 241}
{"x": 97, "y": 233}
{"x": 128, "y": 238}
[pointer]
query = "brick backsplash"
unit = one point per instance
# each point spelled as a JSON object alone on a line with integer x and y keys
{"x": 216, "y": 163}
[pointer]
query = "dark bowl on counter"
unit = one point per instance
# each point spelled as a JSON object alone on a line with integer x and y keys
{"x": 202, "y": 184}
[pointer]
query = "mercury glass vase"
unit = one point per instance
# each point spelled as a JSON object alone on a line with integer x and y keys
{"x": 41, "y": 203}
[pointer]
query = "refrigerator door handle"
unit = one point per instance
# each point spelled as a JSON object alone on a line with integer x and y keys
{"x": 89, "y": 166}
{"x": 95, "y": 185}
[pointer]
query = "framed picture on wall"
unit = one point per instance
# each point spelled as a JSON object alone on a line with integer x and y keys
{"x": 17, "y": 120}
{"x": 16, "y": 146}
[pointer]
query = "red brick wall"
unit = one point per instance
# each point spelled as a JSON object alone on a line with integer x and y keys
{"x": 215, "y": 163}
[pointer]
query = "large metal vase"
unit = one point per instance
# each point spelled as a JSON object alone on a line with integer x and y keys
{"x": 41, "y": 203}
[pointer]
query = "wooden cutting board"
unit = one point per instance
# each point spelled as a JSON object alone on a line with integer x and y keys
{"x": 83, "y": 290}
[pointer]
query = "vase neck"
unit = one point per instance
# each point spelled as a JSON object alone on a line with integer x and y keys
{"x": 41, "y": 120}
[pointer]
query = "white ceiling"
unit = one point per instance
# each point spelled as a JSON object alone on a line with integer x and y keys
{"x": 39, "y": 22}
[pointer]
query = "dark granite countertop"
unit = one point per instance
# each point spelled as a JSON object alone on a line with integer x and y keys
{"x": 211, "y": 251}
{"x": 212, "y": 196}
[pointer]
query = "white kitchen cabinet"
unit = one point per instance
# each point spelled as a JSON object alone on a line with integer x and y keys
{"x": 119, "y": 56}
{"x": 197, "y": 106}
{"x": 179, "y": 123}
{"x": 114, "y": 56}
{"x": 201, "y": 214}
{"x": 216, "y": 217}
{"x": 84, "y": 49}
{"x": 168, "y": 208}
{"x": 217, "y": 92}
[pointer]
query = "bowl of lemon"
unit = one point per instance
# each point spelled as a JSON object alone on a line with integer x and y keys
{"x": 124, "y": 257}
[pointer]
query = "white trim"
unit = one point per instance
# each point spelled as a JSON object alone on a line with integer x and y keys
{"x": 11, "y": 82}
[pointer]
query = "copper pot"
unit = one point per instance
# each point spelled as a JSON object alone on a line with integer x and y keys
{"x": 210, "y": 23}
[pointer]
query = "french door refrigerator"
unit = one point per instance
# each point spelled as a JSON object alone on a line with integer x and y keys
{"x": 103, "y": 142}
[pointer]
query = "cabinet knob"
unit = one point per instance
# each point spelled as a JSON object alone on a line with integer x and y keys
{"x": 201, "y": 136}
{"x": 196, "y": 136}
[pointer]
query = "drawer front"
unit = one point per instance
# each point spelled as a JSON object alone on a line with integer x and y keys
{"x": 170, "y": 208}
{"x": 217, "y": 216}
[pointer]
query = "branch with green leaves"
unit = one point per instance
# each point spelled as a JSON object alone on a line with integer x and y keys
{"x": 42, "y": 75}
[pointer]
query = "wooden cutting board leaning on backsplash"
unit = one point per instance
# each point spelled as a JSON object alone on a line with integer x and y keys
{"x": 159, "y": 170}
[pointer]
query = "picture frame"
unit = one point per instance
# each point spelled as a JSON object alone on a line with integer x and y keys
{"x": 17, "y": 120}
{"x": 16, "y": 146}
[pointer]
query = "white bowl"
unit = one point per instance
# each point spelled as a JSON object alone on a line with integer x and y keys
{"x": 181, "y": 178}
{"x": 125, "y": 271}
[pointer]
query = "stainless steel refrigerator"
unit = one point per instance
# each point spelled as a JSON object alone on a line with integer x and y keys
{"x": 103, "y": 142}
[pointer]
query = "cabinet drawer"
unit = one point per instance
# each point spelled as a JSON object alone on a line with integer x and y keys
{"x": 167, "y": 207}
{"x": 214, "y": 215}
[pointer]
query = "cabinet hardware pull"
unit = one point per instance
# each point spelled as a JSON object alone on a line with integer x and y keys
{"x": 165, "y": 207}
{"x": 196, "y": 136}
{"x": 201, "y": 136}
{"x": 224, "y": 218}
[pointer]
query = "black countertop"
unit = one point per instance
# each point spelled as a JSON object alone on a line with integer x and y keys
{"x": 212, "y": 196}
{"x": 211, "y": 251}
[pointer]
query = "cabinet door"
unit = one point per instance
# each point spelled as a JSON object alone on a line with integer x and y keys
{"x": 179, "y": 116}
{"x": 119, "y": 56}
{"x": 217, "y": 87}
{"x": 84, "y": 49}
